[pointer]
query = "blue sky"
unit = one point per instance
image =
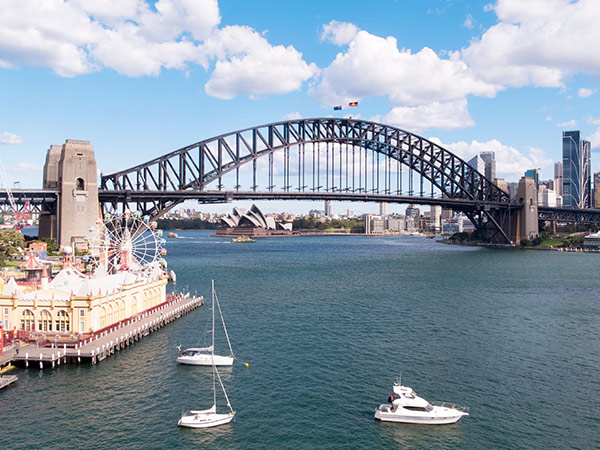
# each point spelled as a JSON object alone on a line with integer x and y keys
{"x": 139, "y": 79}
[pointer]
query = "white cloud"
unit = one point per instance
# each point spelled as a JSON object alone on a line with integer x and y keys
{"x": 375, "y": 66}
{"x": 293, "y": 116}
{"x": 140, "y": 38}
{"x": 538, "y": 42}
{"x": 26, "y": 169}
{"x": 595, "y": 139}
{"x": 339, "y": 33}
{"x": 10, "y": 138}
{"x": 586, "y": 92}
{"x": 510, "y": 162}
{"x": 469, "y": 22}
{"x": 548, "y": 118}
{"x": 248, "y": 64}
{"x": 441, "y": 115}
{"x": 570, "y": 123}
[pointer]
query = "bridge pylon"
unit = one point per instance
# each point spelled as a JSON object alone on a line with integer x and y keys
{"x": 71, "y": 170}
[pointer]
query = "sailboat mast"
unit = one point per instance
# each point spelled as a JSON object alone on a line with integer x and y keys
{"x": 212, "y": 348}
{"x": 224, "y": 327}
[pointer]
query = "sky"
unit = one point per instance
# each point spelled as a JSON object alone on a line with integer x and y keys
{"x": 141, "y": 78}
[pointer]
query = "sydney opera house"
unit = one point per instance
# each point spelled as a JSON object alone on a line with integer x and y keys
{"x": 252, "y": 223}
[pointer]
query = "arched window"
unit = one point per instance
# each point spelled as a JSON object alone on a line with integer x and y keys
{"x": 62, "y": 321}
{"x": 134, "y": 307}
{"x": 109, "y": 318}
{"x": 102, "y": 317}
{"x": 122, "y": 310}
{"x": 28, "y": 321}
{"x": 80, "y": 184}
{"x": 45, "y": 322}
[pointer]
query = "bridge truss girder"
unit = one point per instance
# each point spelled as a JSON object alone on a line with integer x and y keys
{"x": 328, "y": 155}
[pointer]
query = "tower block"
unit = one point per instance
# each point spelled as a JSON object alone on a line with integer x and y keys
{"x": 71, "y": 169}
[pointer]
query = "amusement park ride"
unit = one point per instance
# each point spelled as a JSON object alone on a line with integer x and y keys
{"x": 124, "y": 242}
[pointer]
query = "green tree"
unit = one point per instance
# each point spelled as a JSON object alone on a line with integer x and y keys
{"x": 11, "y": 244}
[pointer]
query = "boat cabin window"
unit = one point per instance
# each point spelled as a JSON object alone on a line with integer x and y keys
{"x": 419, "y": 408}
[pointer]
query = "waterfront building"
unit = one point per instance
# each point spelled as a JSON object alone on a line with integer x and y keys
{"x": 395, "y": 223}
{"x": 576, "y": 170}
{"x": 457, "y": 224}
{"x": 74, "y": 303}
{"x": 489, "y": 160}
{"x": 592, "y": 241}
{"x": 251, "y": 223}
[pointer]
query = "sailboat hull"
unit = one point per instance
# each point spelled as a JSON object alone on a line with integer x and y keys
{"x": 205, "y": 420}
{"x": 204, "y": 359}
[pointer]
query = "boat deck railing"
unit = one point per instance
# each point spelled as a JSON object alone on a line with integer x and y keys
{"x": 451, "y": 406}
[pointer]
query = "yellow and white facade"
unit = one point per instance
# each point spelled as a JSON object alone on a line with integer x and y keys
{"x": 73, "y": 303}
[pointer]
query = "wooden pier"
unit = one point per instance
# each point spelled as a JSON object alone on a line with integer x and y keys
{"x": 7, "y": 380}
{"x": 101, "y": 346}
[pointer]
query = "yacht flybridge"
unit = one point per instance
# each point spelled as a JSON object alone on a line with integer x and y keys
{"x": 405, "y": 406}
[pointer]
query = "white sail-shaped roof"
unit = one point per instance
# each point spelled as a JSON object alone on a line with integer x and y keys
{"x": 12, "y": 288}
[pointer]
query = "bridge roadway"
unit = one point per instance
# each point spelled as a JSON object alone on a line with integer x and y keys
{"x": 98, "y": 347}
{"x": 46, "y": 199}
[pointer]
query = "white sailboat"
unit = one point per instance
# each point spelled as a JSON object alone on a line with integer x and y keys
{"x": 204, "y": 356}
{"x": 209, "y": 417}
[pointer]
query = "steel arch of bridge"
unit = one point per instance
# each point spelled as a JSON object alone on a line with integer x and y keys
{"x": 321, "y": 158}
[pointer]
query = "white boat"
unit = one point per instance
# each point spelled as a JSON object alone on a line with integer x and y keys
{"x": 209, "y": 417}
{"x": 204, "y": 356}
{"x": 405, "y": 406}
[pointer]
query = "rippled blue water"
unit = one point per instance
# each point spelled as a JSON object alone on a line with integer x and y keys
{"x": 327, "y": 323}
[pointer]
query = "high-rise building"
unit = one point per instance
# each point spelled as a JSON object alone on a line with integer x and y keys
{"x": 477, "y": 163}
{"x": 535, "y": 174}
{"x": 558, "y": 178}
{"x": 328, "y": 208}
{"x": 576, "y": 170}
{"x": 596, "y": 203}
{"x": 489, "y": 159}
{"x": 383, "y": 209}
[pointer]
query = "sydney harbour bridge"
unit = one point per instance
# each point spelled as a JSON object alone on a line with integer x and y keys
{"x": 316, "y": 159}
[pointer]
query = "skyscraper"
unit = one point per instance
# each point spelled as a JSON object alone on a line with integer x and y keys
{"x": 477, "y": 163}
{"x": 558, "y": 178}
{"x": 383, "y": 209}
{"x": 576, "y": 170}
{"x": 328, "y": 212}
{"x": 489, "y": 158}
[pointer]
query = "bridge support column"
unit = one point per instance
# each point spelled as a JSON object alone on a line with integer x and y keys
{"x": 526, "y": 219}
{"x": 71, "y": 169}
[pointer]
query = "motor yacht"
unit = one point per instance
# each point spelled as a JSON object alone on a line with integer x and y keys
{"x": 405, "y": 406}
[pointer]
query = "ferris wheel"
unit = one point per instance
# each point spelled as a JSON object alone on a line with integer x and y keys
{"x": 126, "y": 242}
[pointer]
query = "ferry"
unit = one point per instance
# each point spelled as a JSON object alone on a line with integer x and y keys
{"x": 242, "y": 240}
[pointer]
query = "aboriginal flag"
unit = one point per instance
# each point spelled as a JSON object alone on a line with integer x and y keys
{"x": 353, "y": 104}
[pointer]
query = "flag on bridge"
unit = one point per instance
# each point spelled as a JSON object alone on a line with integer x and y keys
{"x": 353, "y": 104}
{"x": 337, "y": 108}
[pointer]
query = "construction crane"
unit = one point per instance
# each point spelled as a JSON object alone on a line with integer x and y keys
{"x": 20, "y": 216}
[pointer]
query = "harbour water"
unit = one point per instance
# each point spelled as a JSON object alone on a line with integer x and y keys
{"x": 327, "y": 324}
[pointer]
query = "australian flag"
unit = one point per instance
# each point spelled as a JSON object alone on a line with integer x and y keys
{"x": 337, "y": 108}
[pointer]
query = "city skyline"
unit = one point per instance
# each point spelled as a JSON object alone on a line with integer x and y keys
{"x": 140, "y": 79}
